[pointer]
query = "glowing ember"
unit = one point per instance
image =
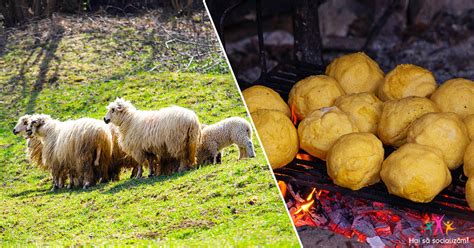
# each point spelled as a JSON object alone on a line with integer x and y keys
{"x": 293, "y": 115}
{"x": 362, "y": 219}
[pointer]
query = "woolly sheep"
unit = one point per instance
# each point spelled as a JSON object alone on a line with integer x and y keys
{"x": 81, "y": 148}
{"x": 150, "y": 136}
{"x": 120, "y": 159}
{"x": 215, "y": 137}
{"x": 33, "y": 144}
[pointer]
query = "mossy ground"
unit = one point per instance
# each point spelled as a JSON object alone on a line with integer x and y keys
{"x": 73, "y": 67}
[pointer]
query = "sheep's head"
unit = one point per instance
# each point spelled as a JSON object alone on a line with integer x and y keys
{"x": 117, "y": 110}
{"x": 22, "y": 124}
{"x": 36, "y": 123}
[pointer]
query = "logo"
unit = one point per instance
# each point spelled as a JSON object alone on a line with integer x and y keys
{"x": 440, "y": 226}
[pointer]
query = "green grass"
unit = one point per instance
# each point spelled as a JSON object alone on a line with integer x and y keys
{"x": 235, "y": 203}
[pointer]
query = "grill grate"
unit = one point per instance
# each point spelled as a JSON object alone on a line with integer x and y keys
{"x": 451, "y": 201}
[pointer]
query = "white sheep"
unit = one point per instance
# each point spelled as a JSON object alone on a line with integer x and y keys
{"x": 215, "y": 137}
{"x": 34, "y": 146}
{"x": 80, "y": 148}
{"x": 120, "y": 159}
{"x": 150, "y": 136}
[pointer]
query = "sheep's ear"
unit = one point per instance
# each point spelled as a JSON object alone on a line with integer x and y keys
{"x": 119, "y": 108}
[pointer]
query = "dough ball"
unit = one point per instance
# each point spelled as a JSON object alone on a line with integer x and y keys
{"x": 470, "y": 192}
{"x": 278, "y": 136}
{"x": 445, "y": 131}
{"x": 356, "y": 73}
{"x": 261, "y": 97}
{"x": 355, "y": 160}
{"x": 398, "y": 115}
{"x": 469, "y": 160}
{"x": 469, "y": 121}
{"x": 319, "y": 131}
{"x": 415, "y": 172}
{"x": 407, "y": 80}
{"x": 364, "y": 109}
{"x": 312, "y": 93}
{"x": 455, "y": 95}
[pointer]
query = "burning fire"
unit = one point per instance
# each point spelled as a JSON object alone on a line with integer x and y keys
{"x": 293, "y": 115}
{"x": 364, "y": 220}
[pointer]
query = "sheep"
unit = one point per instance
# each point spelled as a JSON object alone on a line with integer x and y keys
{"x": 80, "y": 148}
{"x": 154, "y": 136}
{"x": 119, "y": 158}
{"x": 34, "y": 146}
{"x": 215, "y": 137}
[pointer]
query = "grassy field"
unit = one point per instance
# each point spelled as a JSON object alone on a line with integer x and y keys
{"x": 71, "y": 68}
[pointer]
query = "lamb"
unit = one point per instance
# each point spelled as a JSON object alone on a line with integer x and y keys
{"x": 80, "y": 148}
{"x": 34, "y": 146}
{"x": 215, "y": 137}
{"x": 120, "y": 159}
{"x": 152, "y": 136}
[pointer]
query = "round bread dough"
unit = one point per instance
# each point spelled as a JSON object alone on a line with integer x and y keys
{"x": 455, "y": 95}
{"x": 445, "y": 131}
{"x": 312, "y": 93}
{"x": 278, "y": 136}
{"x": 356, "y": 73}
{"x": 355, "y": 160}
{"x": 261, "y": 97}
{"x": 364, "y": 109}
{"x": 407, "y": 80}
{"x": 415, "y": 172}
{"x": 469, "y": 121}
{"x": 398, "y": 115}
{"x": 470, "y": 192}
{"x": 321, "y": 128}
{"x": 469, "y": 160}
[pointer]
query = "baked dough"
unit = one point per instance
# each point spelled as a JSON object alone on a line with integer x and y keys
{"x": 455, "y": 95}
{"x": 261, "y": 97}
{"x": 278, "y": 136}
{"x": 415, "y": 172}
{"x": 407, "y": 80}
{"x": 445, "y": 131}
{"x": 398, "y": 115}
{"x": 469, "y": 160}
{"x": 364, "y": 109}
{"x": 356, "y": 73}
{"x": 312, "y": 93}
{"x": 355, "y": 160}
{"x": 321, "y": 128}
{"x": 469, "y": 121}
{"x": 470, "y": 192}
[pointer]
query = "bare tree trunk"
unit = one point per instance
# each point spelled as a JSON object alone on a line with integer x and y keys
{"x": 37, "y": 8}
{"x": 51, "y": 7}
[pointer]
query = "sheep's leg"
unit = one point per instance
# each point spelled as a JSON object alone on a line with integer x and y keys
{"x": 250, "y": 149}
{"x": 183, "y": 165}
{"x": 151, "y": 167}
{"x": 134, "y": 171}
{"x": 71, "y": 181}
{"x": 89, "y": 177}
{"x": 242, "y": 152}
{"x": 139, "y": 172}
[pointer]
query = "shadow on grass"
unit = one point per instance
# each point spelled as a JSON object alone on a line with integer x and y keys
{"x": 29, "y": 192}
{"x": 124, "y": 184}
{"x": 130, "y": 183}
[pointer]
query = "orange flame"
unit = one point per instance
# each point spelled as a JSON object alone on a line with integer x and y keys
{"x": 293, "y": 115}
{"x": 310, "y": 196}
{"x": 305, "y": 207}
{"x": 309, "y": 202}
{"x": 282, "y": 186}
